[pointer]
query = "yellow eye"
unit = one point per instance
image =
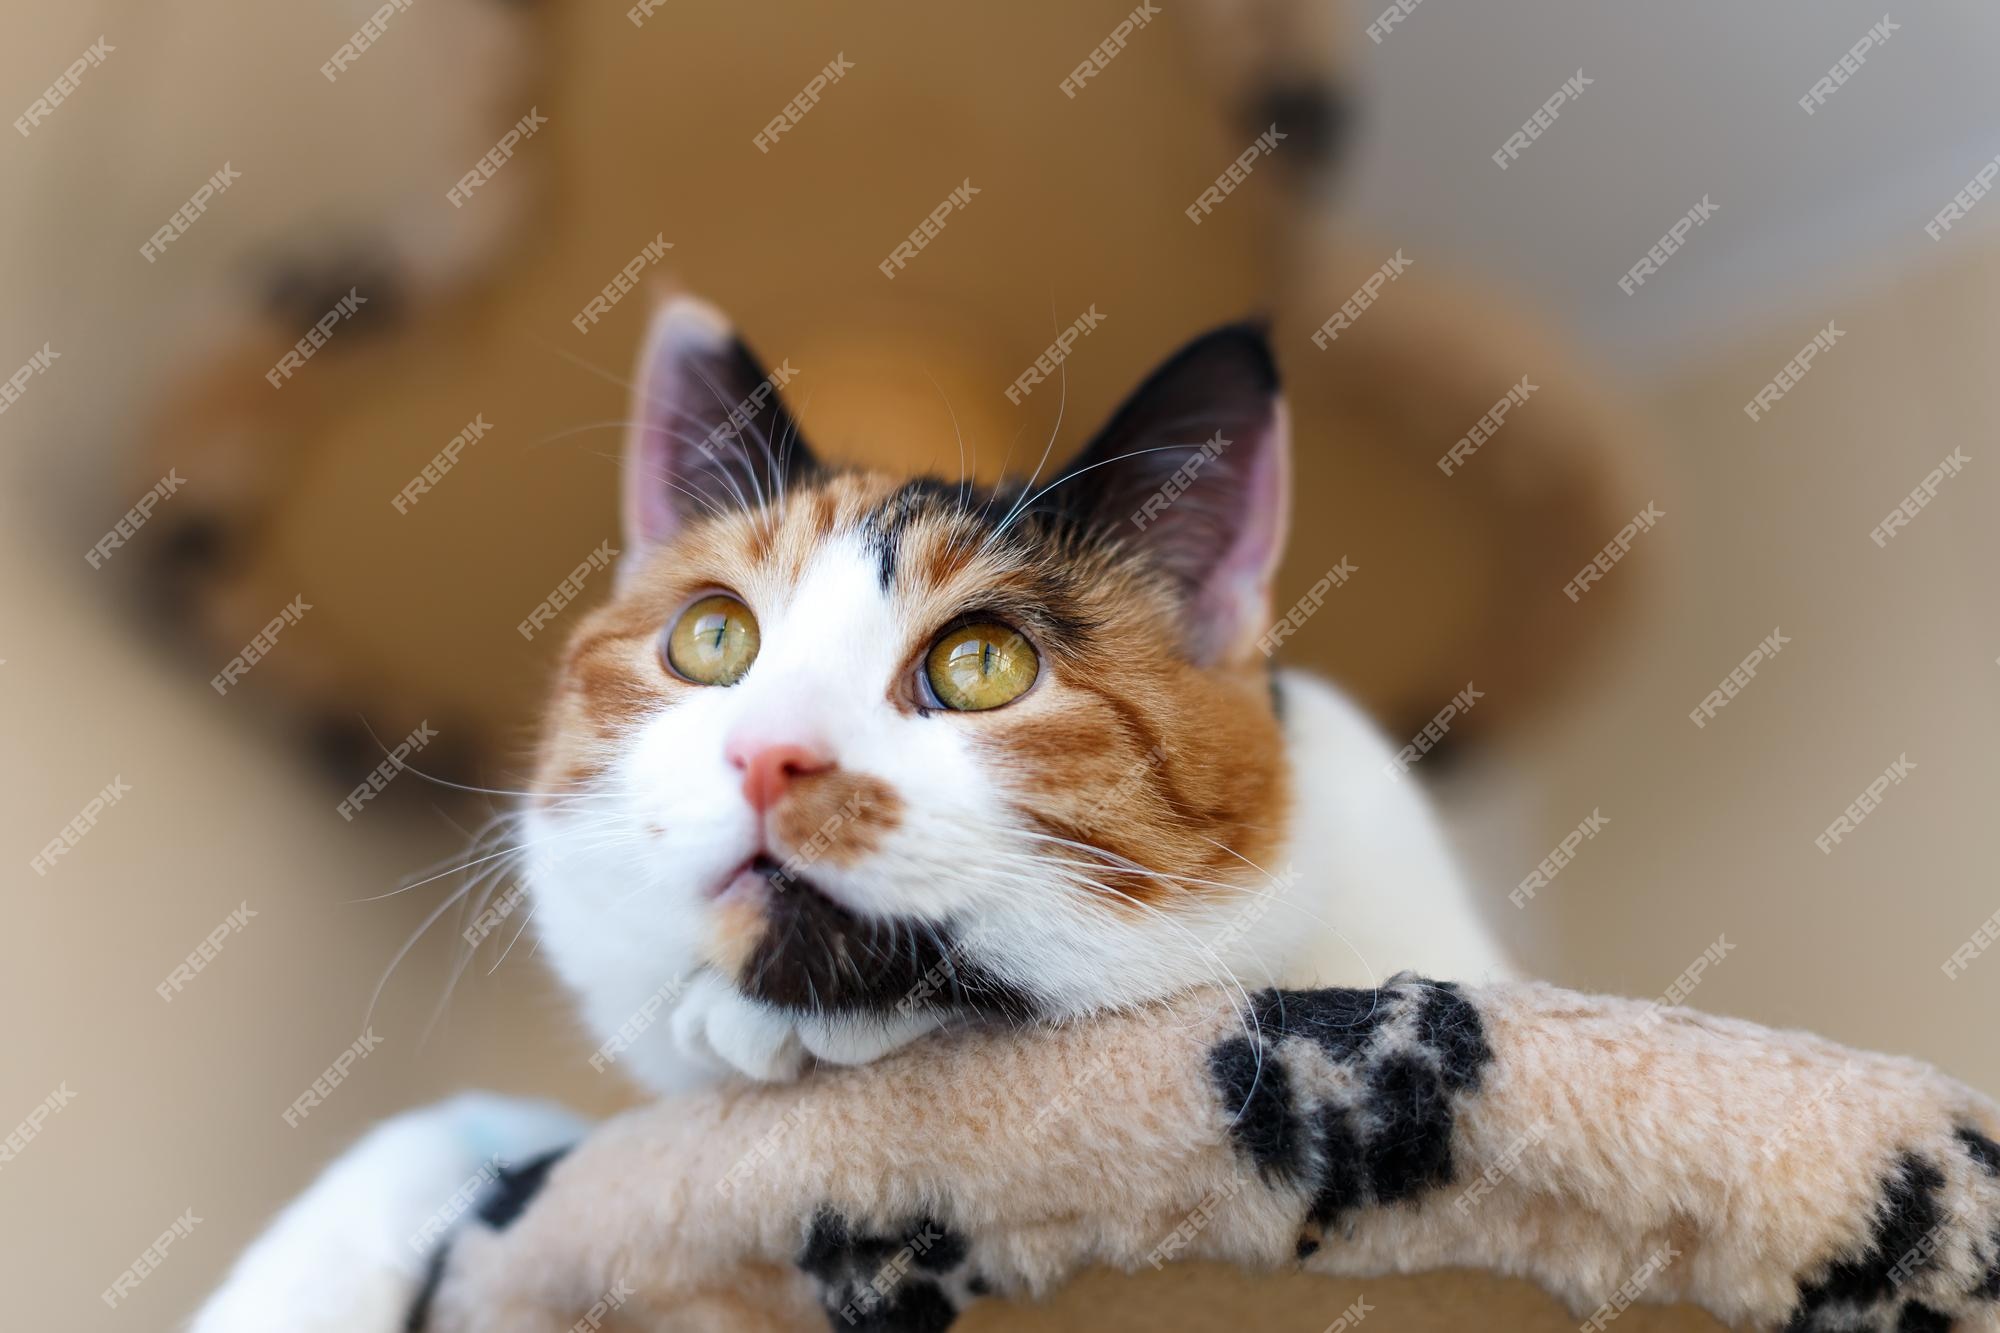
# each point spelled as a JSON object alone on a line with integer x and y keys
{"x": 714, "y": 642}
{"x": 980, "y": 666}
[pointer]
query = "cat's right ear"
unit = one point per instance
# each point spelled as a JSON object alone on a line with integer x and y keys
{"x": 708, "y": 431}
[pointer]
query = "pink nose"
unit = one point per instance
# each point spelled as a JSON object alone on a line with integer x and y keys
{"x": 769, "y": 769}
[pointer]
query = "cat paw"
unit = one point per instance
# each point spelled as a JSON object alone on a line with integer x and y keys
{"x": 714, "y": 1024}
{"x": 860, "y": 1040}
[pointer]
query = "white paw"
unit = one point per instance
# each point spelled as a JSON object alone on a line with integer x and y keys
{"x": 860, "y": 1039}
{"x": 348, "y": 1255}
{"x": 715, "y": 1024}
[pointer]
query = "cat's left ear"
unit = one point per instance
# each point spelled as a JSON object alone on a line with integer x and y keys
{"x": 709, "y": 432}
{"x": 1195, "y": 472}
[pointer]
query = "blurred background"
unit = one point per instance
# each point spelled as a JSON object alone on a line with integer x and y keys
{"x": 191, "y": 188}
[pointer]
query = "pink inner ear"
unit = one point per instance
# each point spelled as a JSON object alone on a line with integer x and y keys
{"x": 684, "y": 330}
{"x": 1232, "y": 606}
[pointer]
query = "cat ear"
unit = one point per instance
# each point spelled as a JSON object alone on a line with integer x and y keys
{"x": 1195, "y": 472}
{"x": 709, "y": 433}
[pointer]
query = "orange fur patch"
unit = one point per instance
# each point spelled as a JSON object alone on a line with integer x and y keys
{"x": 1122, "y": 746}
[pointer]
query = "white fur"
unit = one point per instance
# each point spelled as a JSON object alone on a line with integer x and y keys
{"x": 1366, "y": 887}
{"x": 339, "y": 1258}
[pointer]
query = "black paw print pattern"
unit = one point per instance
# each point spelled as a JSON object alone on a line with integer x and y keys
{"x": 1349, "y": 1094}
{"x": 913, "y": 1277}
{"x": 1932, "y": 1253}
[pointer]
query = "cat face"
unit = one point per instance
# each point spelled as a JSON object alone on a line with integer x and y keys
{"x": 848, "y": 755}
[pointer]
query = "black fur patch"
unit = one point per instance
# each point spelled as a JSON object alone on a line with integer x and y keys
{"x": 893, "y": 1282}
{"x": 1451, "y": 1027}
{"x": 1383, "y": 1135}
{"x": 515, "y": 1187}
{"x": 925, "y": 496}
{"x": 1863, "y": 1291}
{"x": 815, "y": 956}
{"x": 419, "y": 1317}
{"x": 1984, "y": 1150}
{"x": 1257, "y": 1093}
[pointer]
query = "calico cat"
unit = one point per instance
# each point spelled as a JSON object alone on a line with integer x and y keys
{"x": 847, "y": 758}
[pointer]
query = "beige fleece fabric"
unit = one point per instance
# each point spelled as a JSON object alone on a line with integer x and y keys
{"x": 1613, "y": 1152}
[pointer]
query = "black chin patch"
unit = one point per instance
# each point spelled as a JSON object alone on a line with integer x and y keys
{"x": 816, "y": 956}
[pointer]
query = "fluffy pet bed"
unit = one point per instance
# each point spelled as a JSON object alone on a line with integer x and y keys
{"x": 1611, "y": 1151}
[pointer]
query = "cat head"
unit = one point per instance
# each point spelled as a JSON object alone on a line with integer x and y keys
{"x": 870, "y": 751}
